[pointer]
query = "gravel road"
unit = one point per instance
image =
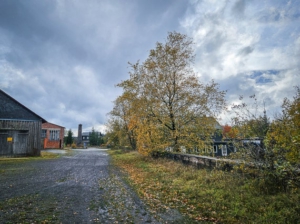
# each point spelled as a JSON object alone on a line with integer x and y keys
{"x": 79, "y": 188}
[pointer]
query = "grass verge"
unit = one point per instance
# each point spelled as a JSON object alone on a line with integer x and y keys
{"x": 44, "y": 155}
{"x": 29, "y": 209}
{"x": 205, "y": 195}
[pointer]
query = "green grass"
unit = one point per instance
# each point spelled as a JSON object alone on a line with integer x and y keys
{"x": 206, "y": 195}
{"x": 8, "y": 164}
{"x": 44, "y": 155}
{"x": 29, "y": 209}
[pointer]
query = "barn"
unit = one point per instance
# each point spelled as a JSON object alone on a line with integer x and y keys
{"x": 20, "y": 128}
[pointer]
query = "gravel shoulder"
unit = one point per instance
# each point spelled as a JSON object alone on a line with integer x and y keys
{"x": 79, "y": 188}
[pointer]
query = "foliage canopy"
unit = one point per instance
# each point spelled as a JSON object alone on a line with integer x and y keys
{"x": 163, "y": 102}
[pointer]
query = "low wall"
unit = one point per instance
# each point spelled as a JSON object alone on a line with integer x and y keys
{"x": 203, "y": 161}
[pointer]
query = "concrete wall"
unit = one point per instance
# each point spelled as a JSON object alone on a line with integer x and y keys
{"x": 202, "y": 161}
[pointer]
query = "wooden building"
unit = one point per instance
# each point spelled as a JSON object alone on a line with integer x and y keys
{"x": 52, "y": 136}
{"x": 20, "y": 128}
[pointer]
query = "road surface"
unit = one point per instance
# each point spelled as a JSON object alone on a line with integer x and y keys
{"x": 81, "y": 187}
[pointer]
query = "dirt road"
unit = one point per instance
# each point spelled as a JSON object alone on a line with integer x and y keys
{"x": 78, "y": 188}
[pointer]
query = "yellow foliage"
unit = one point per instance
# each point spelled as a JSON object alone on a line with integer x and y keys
{"x": 163, "y": 102}
{"x": 284, "y": 133}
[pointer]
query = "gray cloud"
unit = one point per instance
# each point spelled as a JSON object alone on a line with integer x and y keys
{"x": 63, "y": 58}
{"x": 239, "y": 8}
{"x": 249, "y": 47}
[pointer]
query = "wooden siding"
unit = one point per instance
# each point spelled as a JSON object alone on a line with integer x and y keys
{"x": 20, "y": 138}
{"x": 12, "y": 109}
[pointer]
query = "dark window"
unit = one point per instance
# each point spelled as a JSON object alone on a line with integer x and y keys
{"x": 215, "y": 148}
{"x": 23, "y": 132}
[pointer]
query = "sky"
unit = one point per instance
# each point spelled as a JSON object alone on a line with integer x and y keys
{"x": 63, "y": 58}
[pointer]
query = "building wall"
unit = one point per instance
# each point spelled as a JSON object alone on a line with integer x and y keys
{"x": 53, "y": 144}
{"x": 20, "y": 138}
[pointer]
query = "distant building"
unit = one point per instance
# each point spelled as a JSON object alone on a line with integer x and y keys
{"x": 52, "y": 136}
{"x": 20, "y": 128}
{"x": 86, "y": 137}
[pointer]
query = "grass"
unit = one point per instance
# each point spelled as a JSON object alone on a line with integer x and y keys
{"x": 29, "y": 209}
{"x": 205, "y": 195}
{"x": 44, "y": 155}
{"x": 7, "y": 162}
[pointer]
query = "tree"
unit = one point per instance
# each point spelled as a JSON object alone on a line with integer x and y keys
{"x": 95, "y": 138}
{"x": 250, "y": 121}
{"x": 123, "y": 117}
{"x": 229, "y": 132}
{"x": 163, "y": 102}
{"x": 276, "y": 161}
{"x": 69, "y": 139}
{"x": 284, "y": 134}
{"x": 116, "y": 133}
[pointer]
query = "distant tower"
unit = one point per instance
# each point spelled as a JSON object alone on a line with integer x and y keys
{"x": 79, "y": 138}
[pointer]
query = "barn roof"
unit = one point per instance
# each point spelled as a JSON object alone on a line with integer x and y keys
{"x": 13, "y": 109}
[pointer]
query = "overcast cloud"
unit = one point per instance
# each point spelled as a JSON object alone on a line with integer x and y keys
{"x": 63, "y": 58}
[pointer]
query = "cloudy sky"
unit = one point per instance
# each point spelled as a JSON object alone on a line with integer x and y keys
{"x": 63, "y": 58}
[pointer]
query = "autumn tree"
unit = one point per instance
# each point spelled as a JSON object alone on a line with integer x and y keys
{"x": 163, "y": 102}
{"x": 116, "y": 135}
{"x": 250, "y": 120}
{"x": 277, "y": 158}
{"x": 249, "y": 126}
{"x": 284, "y": 134}
{"x": 123, "y": 114}
{"x": 229, "y": 132}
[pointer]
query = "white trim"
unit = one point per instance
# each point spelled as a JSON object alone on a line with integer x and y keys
{"x": 224, "y": 150}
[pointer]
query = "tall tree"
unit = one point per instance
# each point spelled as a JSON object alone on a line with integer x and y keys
{"x": 165, "y": 103}
{"x": 69, "y": 139}
{"x": 284, "y": 132}
{"x": 94, "y": 137}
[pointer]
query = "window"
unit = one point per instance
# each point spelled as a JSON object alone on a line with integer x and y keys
{"x": 44, "y": 133}
{"x": 54, "y": 135}
{"x": 215, "y": 148}
{"x": 224, "y": 150}
{"x": 23, "y": 132}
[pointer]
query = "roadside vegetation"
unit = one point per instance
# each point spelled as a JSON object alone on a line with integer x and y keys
{"x": 206, "y": 195}
{"x": 44, "y": 155}
{"x": 165, "y": 106}
{"x": 32, "y": 208}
